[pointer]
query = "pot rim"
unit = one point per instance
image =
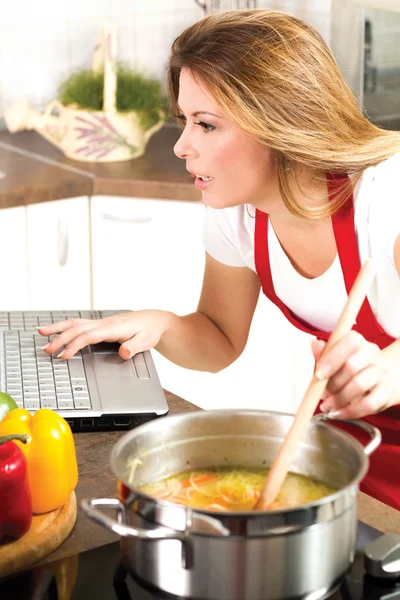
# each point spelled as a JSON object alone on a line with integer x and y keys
{"x": 331, "y": 498}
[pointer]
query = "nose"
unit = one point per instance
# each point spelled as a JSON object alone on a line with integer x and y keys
{"x": 184, "y": 147}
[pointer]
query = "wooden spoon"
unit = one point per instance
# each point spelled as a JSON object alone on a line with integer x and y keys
{"x": 284, "y": 458}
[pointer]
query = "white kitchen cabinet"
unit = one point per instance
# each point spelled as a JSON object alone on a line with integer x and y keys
{"x": 58, "y": 244}
{"x": 146, "y": 253}
{"x": 14, "y": 288}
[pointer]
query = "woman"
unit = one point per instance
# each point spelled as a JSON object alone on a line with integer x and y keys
{"x": 301, "y": 188}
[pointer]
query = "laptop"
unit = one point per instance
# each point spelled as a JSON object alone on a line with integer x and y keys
{"x": 94, "y": 390}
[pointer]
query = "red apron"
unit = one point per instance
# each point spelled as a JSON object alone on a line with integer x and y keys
{"x": 383, "y": 478}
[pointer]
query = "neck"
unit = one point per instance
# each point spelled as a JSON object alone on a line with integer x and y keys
{"x": 309, "y": 192}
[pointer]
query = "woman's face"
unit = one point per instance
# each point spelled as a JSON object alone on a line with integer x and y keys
{"x": 242, "y": 171}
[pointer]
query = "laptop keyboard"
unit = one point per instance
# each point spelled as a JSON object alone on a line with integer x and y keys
{"x": 36, "y": 379}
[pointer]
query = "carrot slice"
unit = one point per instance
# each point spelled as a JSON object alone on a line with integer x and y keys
{"x": 202, "y": 479}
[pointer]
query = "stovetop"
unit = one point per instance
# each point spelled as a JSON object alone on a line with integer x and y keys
{"x": 101, "y": 577}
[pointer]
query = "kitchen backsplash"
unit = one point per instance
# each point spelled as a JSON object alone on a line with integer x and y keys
{"x": 42, "y": 42}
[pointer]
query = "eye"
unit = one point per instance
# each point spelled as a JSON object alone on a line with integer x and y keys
{"x": 206, "y": 126}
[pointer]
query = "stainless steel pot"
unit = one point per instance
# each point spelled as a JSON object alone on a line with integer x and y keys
{"x": 295, "y": 553}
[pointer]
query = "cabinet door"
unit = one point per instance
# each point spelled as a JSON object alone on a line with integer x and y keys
{"x": 146, "y": 253}
{"x": 14, "y": 293}
{"x": 59, "y": 257}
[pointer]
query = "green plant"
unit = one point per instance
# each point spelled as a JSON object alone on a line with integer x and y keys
{"x": 135, "y": 92}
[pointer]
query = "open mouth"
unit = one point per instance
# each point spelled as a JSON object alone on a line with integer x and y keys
{"x": 202, "y": 182}
{"x": 204, "y": 177}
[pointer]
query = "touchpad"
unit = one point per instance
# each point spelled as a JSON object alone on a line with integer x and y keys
{"x": 105, "y": 347}
{"x": 107, "y": 365}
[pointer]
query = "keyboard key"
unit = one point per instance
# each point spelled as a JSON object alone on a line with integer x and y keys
{"x": 14, "y": 392}
{"x": 76, "y": 389}
{"x": 63, "y": 389}
{"x": 31, "y": 391}
{"x": 65, "y": 395}
{"x": 76, "y": 368}
{"x": 65, "y": 404}
{"x": 82, "y": 403}
{"x": 48, "y": 402}
{"x": 32, "y": 404}
{"x": 48, "y": 396}
{"x": 14, "y": 381}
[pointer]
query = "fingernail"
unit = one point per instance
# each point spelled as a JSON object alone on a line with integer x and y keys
{"x": 323, "y": 407}
{"x": 334, "y": 414}
{"x": 46, "y": 346}
{"x": 38, "y": 328}
{"x": 323, "y": 372}
{"x": 60, "y": 355}
{"x": 129, "y": 353}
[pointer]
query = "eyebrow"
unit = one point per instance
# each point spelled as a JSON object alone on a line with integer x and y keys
{"x": 204, "y": 112}
{"x": 200, "y": 112}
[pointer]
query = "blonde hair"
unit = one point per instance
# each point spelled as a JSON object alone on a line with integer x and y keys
{"x": 274, "y": 75}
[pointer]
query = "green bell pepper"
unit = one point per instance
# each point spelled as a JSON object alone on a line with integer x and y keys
{"x": 6, "y": 404}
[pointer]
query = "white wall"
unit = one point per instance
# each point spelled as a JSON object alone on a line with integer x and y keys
{"x": 43, "y": 41}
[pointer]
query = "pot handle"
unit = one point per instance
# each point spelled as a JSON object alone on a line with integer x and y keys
{"x": 119, "y": 527}
{"x": 373, "y": 432}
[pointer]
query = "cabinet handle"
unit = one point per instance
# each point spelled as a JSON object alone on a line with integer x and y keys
{"x": 62, "y": 242}
{"x": 118, "y": 219}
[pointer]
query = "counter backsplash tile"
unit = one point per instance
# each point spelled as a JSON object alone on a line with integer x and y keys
{"x": 34, "y": 68}
{"x": 99, "y": 9}
{"x": 26, "y": 12}
{"x": 82, "y": 36}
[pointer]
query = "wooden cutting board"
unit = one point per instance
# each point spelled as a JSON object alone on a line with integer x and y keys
{"x": 47, "y": 532}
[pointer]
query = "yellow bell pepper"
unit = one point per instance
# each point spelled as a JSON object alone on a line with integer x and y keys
{"x": 50, "y": 454}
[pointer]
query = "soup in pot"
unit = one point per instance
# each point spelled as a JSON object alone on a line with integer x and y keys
{"x": 233, "y": 489}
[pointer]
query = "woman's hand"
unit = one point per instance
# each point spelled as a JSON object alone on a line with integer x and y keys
{"x": 135, "y": 331}
{"x": 362, "y": 381}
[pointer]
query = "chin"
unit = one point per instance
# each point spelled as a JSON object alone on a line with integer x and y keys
{"x": 214, "y": 201}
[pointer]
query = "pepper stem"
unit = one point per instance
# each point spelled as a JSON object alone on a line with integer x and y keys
{"x": 20, "y": 437}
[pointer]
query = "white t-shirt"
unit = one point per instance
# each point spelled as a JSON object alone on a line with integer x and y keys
{"x": 229, "y": 238}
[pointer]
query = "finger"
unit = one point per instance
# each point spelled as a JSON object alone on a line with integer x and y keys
{"x": 60, "y": 326}
{"x": 317, "y": 347}
{"x": 64, "y": 338}
{"x": 368, "y": 356}
{"x": 376, "y": 401}
{"x": 89, "y": 336}
{"x": 335, "y": 358}
{"x": 357, "y": 387}
{"x": 141, "y": 342}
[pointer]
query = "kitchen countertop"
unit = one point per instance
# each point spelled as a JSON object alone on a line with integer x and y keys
{"x": 36, "y": 171}
{"x": 96, "y": 480}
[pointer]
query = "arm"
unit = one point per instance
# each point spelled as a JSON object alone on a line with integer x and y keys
{"x": 215, "y": 335}
{"x": 208, "y": 340}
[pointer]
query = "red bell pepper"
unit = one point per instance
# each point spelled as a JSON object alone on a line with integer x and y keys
{"x": 15, "y": 497}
